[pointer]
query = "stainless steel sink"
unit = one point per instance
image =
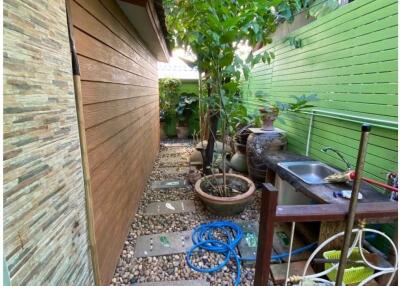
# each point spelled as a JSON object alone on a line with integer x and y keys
{"x": 310, "y": 172}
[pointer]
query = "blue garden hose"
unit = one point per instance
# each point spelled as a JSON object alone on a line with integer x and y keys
{"x": 203, "y": 238}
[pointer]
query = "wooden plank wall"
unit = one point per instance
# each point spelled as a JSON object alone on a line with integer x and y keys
{"x": 120, "y": 96}
{"x": 45, "y": 230}
{"x": 349, "y": 60}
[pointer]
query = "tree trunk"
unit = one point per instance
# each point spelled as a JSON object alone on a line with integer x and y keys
{"x": 213, "y": 117}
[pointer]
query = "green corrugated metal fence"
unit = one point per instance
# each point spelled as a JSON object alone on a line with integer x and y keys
{"x": 349, "y": 60}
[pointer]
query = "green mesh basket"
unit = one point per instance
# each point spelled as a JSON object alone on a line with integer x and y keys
{"x": 352, "y": 275}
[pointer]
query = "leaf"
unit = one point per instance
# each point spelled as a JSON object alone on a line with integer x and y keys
{"x": 228, "y": 37}
{"x": 226, "y": 59}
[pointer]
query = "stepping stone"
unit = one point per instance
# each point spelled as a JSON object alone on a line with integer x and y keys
{"x": 176, "y": 144}
{"x": 174, "y": 170}
{"x": 176, "y": 283}
{"x": 173, "y": 152}
{"x": 168, "y": 184}
{"x": 248, "y": 245}
{"x": 163, "y": 244}
{"x": 173, "y": 161}
{"x": 170, "y": 207}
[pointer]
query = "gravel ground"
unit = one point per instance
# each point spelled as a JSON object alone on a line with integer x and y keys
{"x": 173, "y": 267}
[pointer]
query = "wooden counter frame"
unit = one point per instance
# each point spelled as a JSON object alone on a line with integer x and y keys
{"x": 271, "y": 213}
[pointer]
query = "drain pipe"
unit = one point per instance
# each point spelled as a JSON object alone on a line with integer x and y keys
{"x": 310, "y": 126}
{"x": 84, "y": 151}
{"x": 381, "y": 123}
{"x": 362, "y": 152}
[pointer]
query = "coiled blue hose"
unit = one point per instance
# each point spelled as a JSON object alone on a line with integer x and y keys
{"x": 203, "y": 238}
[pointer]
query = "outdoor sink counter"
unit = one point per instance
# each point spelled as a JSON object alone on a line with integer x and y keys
{"x": 322, "y": 193}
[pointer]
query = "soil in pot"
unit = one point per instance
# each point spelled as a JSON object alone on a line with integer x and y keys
{"x": 239, "y": 192}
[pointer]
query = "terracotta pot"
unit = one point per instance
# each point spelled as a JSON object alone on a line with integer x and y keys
{"x": 268, "y": 117}
{"x": 182, "y": 132}
{"x": 162, "y": 131}
{"x": 226, "y": 206}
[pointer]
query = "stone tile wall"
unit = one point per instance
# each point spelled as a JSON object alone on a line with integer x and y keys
{"x": 45, "y": 231}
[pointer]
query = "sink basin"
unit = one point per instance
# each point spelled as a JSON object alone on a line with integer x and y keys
{"x": 310, "y": 172}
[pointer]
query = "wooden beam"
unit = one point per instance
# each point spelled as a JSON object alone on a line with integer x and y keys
{"x": 334, "y": 212}
{"x": 142, "y": 3}
{"x": 269, "y": 200}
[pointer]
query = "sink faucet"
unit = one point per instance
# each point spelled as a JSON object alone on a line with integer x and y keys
{"x": 348, "y": 165}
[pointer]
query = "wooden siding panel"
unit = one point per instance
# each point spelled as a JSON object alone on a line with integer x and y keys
{"x": 120, "y": 96}
{"x": 92, "y": 26}
{"x": 96, "y": 92}
{"x": 92, "y": 70}
{"x": 91, "y": 48}
{"x": 349, "y": 60}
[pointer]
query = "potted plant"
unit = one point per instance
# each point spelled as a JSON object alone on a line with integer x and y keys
{"x": 185, "y": 108}
{"x": 270, "y": 139}
{"x": 169, "y": 96}
{"x": 268, "y": 116}
{"x": 212, "y": 32}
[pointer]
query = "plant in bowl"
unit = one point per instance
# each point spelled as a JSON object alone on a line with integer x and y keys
{"x": 185, "y": 108}
{"x": 212, "y": 31}
{"x": 270, "y": 111}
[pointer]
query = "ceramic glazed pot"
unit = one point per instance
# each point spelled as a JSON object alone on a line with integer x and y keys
{"x": 258, "y": 146}
{"x": 226, "y": 206}
{"x": 196, "y": 159}
{"x": 238, "y": 161}
{"x": 182, "y": 132}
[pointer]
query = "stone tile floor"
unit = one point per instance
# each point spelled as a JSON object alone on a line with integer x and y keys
{"x": 132, "y": 270}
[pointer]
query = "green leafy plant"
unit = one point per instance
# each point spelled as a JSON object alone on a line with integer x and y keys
{"x": 295, "y": 42}
{"x": 212, "y": 31}
{"x": 287, "y": 10}
{"x": 169, "y": 97}
{"x": 299, "y": 103}
{"x": 186, "y": 106}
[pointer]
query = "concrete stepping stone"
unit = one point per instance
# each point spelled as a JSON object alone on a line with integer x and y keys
{"x": 173, "y": 161}
{"x": 175, "y": 283}
{"x": 170, "y": 207}
{"x": 174, "y": 170}
{"x": 176, "y": 144}
{"x": 163, "y": 244}
{"x": 170, "y": 152}
{"x": 248, "y": 245}
{"x": 169, "y": 184}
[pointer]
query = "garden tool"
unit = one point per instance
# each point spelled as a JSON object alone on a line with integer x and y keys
{"x": 350, "y": 176}
{"x": 362, "y": 152}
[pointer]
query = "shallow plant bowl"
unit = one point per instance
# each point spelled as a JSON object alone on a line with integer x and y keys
{"x": 226, "y": 206}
